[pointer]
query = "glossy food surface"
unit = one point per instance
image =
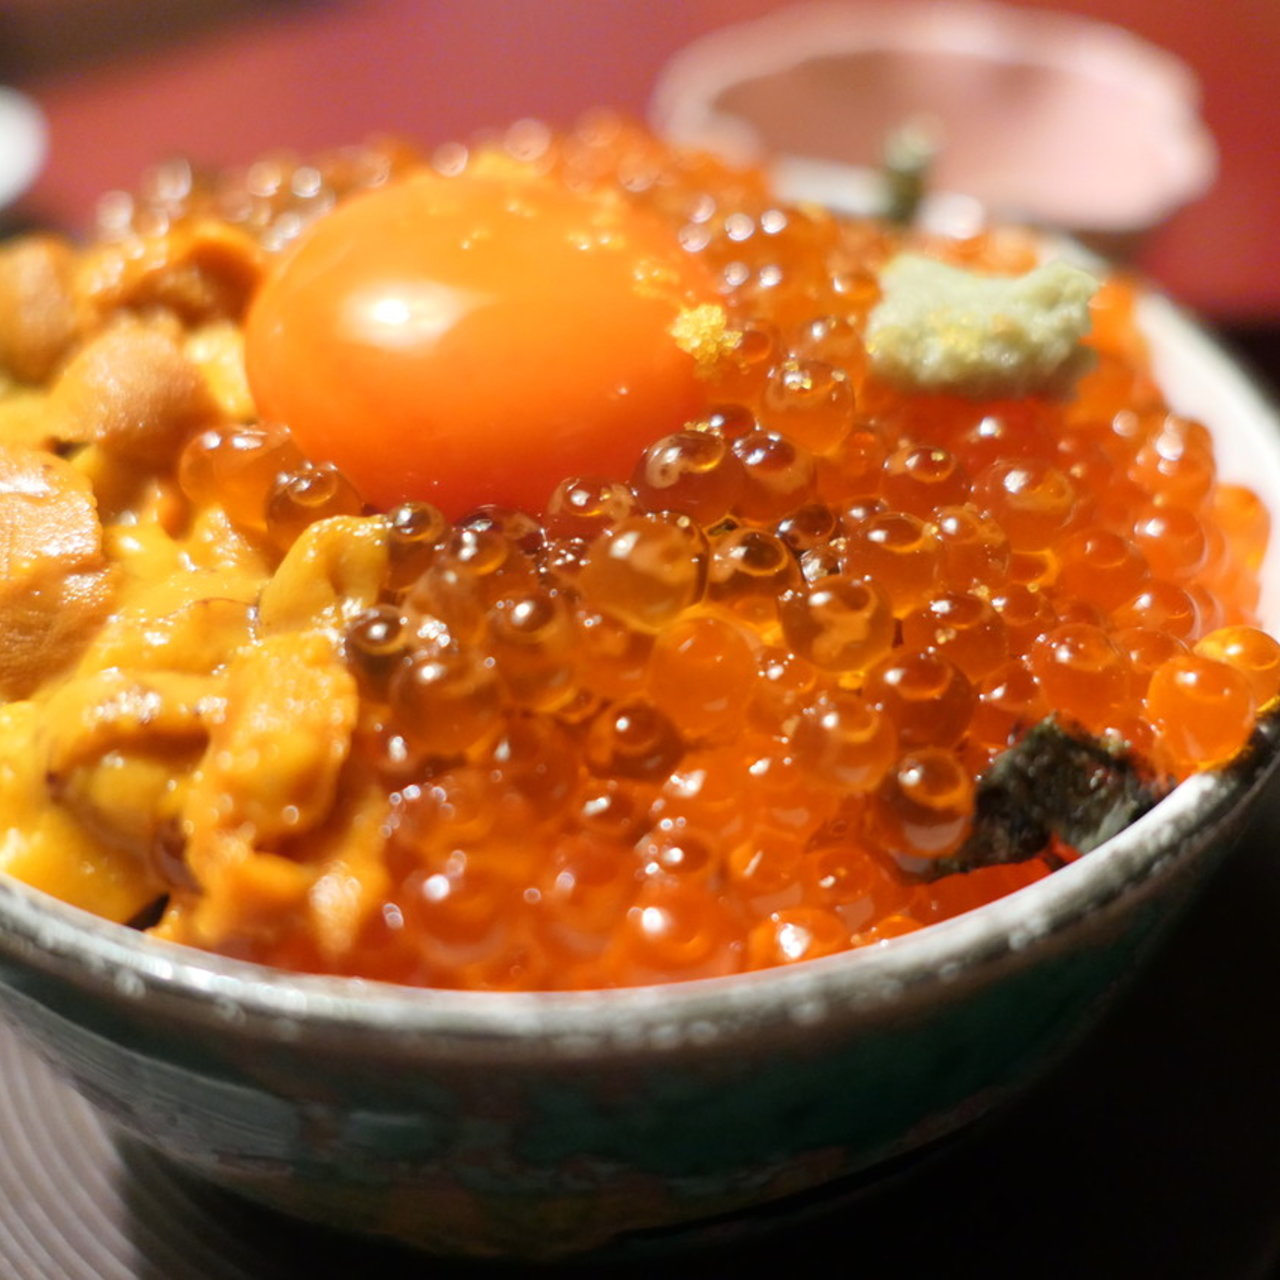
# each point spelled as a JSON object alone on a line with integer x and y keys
{"x": 380, "y": 669}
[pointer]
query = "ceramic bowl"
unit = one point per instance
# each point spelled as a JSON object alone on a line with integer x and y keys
{"x": 543, "y": 1124}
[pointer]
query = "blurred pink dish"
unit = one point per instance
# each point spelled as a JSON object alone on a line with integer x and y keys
{"x": 1040, "y": 117}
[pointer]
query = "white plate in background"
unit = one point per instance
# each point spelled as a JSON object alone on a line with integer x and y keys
{"x": 23, "y": 141}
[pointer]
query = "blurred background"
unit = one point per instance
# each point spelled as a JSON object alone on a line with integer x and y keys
{"x": 125, "y": 83}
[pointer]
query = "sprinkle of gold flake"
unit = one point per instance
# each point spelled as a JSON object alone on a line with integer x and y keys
{"x": 703, "y": 332}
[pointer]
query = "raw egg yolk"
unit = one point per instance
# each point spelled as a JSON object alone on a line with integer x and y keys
{"x": 476, "y": 339}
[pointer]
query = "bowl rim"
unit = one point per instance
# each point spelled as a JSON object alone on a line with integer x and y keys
{"x": 553, "y": 1025}
{"x": 254, "y": 999}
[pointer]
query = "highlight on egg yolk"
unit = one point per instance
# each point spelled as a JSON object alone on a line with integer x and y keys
{"x": 474, "y": 339}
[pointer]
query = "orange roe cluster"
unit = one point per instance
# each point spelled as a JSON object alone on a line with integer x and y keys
{"x": 715, "y": 715}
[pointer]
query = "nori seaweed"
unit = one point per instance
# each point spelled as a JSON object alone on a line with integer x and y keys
{"x": 1057, "y": 782}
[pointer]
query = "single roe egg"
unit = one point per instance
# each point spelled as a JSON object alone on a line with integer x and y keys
{"x": 474, "y": 339}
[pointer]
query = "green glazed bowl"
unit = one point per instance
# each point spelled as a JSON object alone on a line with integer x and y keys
{"x": 537, "y": 1125}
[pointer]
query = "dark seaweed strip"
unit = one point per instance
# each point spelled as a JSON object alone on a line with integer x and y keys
{"x": 1058, "y": 781}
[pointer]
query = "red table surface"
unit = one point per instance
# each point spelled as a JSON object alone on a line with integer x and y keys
{"x": 223, "y": 83}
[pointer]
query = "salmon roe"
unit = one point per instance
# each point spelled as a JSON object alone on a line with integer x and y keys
{"x": 725, "y": 711}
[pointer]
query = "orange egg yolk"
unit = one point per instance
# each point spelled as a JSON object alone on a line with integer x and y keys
{"x": 476, "y": 339}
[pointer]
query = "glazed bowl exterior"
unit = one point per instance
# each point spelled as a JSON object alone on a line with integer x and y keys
{"x": 544, "y": 1124}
